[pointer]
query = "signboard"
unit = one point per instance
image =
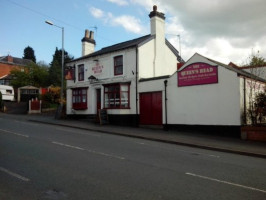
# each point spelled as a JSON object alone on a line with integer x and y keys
{"x": 103, "y": 116}
{"x": 197, "y": 74}
{"x": 70, "y": 73}
{"x": 97, "y": 69}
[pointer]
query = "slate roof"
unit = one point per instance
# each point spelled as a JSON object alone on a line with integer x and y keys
{"x": 126, "y": 45}
{"x": 16, "y": 61}
{"x": 238, "y": 71}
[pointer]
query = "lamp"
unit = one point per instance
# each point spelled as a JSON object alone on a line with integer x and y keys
{"x": 62, "y": 73}
{"x": 92, "y": 79}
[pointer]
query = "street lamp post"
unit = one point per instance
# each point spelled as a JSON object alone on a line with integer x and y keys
{"x": 62, "y": 73}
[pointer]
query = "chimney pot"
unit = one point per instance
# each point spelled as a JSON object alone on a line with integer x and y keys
{"x": 86, "y": 33}
{"x": 92, "y": 35}
{"x": 9, "y": 59}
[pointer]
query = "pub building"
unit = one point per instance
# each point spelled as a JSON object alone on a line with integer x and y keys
{"x": 144, "y": 81}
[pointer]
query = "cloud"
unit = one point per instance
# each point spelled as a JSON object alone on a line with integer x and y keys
{"x": 129, "y": 23}
{"x": 119, "y": 2}
{"x": 96, "y": 12}
{"x": 232, "y": 28}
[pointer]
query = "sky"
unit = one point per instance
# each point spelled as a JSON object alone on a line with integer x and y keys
{"x": 223, "y": 30}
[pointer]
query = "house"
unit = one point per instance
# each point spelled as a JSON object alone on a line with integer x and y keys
{"x": 7, "y": 64}
{"x": 202, "y": 94}
{"x": 109, "y": 78}
{"x": 145, "y": 82}
{"x": 259, "y": 71}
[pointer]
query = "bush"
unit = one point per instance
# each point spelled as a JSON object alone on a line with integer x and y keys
{"x": 52, "y": 96}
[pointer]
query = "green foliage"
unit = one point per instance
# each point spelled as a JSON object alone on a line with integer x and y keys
{"x": 29, "y": 54}
{"x": 52, "y": 96}
{"x": 255, "y": 60}
{"x": 55, "y": 71}
{"x": 260, "y": 103}
{"x": 34, "y": 75}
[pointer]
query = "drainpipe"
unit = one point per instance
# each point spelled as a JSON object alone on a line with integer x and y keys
{"x": 165, "y": 104}
{"x": 245, "y": 109}
{"x": 137, "y": 107}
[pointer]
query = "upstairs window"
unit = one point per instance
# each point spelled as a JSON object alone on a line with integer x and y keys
{"x": 118, "y": 65}
{"x": 81, "y": 72}
{"x": 79, "y": 98}
{"x": 116, "y": 96}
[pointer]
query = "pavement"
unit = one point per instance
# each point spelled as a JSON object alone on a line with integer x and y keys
{"x": 192, "y": 139}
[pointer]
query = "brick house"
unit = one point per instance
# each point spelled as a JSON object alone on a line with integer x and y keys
{"x": 7, "y": 64}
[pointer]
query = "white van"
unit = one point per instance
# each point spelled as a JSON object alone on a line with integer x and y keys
{"x": 7, "y": 93}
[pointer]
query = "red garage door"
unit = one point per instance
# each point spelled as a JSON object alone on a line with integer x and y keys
{"x": 151, "y": 108}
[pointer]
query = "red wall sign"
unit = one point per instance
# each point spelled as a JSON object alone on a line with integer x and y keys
{"x": 197, "y": 74}
{"x": 97, "y": 69}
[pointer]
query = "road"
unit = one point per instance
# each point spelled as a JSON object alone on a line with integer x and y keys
{"x": 39, "y": 161}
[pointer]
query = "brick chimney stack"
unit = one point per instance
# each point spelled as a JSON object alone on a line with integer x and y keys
{"x": 9, "y": 59}
{"x": 88, "y": 43}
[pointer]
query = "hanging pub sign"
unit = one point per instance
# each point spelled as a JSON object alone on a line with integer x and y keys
{"x": 197, "y": 74}
{"x": 70, "y": 73}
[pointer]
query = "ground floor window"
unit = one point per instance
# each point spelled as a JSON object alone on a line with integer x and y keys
{"x": 117, "y": 96}
{"x": 79, "y": 98}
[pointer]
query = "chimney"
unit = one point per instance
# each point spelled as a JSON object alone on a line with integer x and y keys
{"x": 157, "y": 22}
{"x": 88, "y": 43}
{"x": 9, "y": 59}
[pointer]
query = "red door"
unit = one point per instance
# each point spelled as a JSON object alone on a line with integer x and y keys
{"x": 151, "y": 108}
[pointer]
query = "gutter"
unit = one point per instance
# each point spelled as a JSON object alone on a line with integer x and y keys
{"x": 137, "y": 108}
{"x": 165, "y": 104}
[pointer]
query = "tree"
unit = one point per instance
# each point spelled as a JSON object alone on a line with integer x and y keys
{"x": 56, "y": 66}
{"x": 260, "y": 104}
{"x": 34, "y": 75}
{"x": 256, "y": 66}
{"x": 29, "y": 54}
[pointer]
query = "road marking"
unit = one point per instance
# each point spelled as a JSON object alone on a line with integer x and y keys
{"x": 190, "y": 152}
{"x": 226, "y": 182}
{"x": 196, "y": 153}
{"x": 67, "y": 145}
{"x": 105, "y": 154}
{"x": 18, "y": 134}
{"x": 25, "y": 123}
{"x": 14, "y": 174}
{"x": 90, "y": 151}
{"x": 89, "y": 134}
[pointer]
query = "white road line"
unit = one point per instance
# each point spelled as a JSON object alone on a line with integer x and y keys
{"x": 190, "y": 152}
{"x": 226, "y": 182}
{"x": 66, "y": 130}
{"x": 67, "y": 145}
{"x": 105, "y": 154}
{"x": 204, "y": 154}
{"x": 91, "y": 151}
{"x": 18, "y": 134}
{"x": 26, "y": 123}
{"x": 14, "y": 174}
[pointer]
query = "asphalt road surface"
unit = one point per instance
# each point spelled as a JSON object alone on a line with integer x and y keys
{"x": 39, "y": 161}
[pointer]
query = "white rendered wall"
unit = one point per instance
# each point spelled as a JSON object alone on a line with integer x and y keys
{"x": 87, "y": 48}
{"x": 212, "y": 104}
{"x": 106, "y": 76}
{"x": 154, "y": 62}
